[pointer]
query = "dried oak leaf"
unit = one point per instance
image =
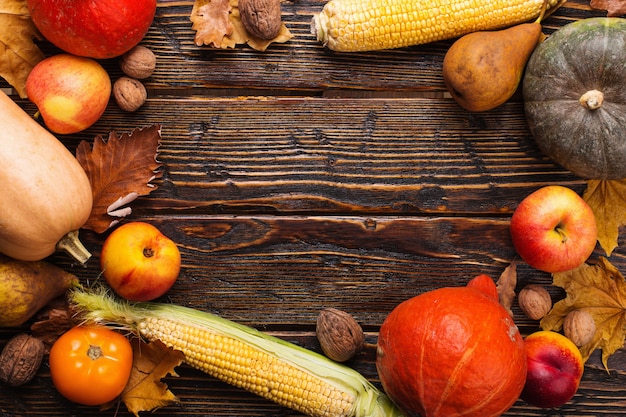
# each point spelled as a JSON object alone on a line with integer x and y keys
{"x": 607, "y": 199}
{"x": 614, "y": 8}
{"x": 210, "y": 20}
{"x": 506, "y": 286}
{"x": 218, "y": 24}
{"x": 18, "y": 52}
{"x": 601, "y": 291}
{"x": 151, "y": 363}
{"x": 119, "y": 170}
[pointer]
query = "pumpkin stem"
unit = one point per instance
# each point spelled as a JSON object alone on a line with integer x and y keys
{"x": 592, "y": 99}
{"x": 74, "y": 247}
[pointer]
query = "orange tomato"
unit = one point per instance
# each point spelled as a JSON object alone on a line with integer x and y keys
{"x": 90, "y": 365}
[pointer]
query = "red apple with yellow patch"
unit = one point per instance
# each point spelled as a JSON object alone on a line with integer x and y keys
{"x": 555, "y": 368}
{"x": 97, "y": 29}
{"x": 554, "y": 229}
{"x": 139, "y": 262}
{"x": 70, "y": 92}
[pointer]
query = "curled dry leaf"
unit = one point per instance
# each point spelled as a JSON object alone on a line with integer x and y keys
{"x": 151, "y": 363}
{"x": 18, "y": 52}
{"x": 506, "y": 286}
{"x": 119, "y": 170}
{"x": 600, "y": 290}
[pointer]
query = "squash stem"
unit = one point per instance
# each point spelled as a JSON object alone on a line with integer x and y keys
{"x": 592, "y": 99}
{"x": 74, "y": 247}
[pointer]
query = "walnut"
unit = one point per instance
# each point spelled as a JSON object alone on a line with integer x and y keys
{"x": 129, "y": 93}
{"x": 535, "y": 301}
{"x": 261, "y": 18}
{"x": 20, "y": 359}
{"x": 579, "y": 327}
{"x": 340, "y": 336}
{"x": 138, "y": 63}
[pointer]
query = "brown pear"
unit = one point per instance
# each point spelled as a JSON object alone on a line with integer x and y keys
{"x": 27, "y": 286}
{"x": 482, "y": 70}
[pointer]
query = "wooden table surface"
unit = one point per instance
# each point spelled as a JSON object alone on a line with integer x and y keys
{"x": 298, "y": 178}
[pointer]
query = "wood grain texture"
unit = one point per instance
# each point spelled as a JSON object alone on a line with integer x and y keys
{"x": 298, "y": 178}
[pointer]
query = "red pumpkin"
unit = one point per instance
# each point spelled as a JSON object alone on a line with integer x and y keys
{"x": 93, "y": 28}
{"x": 452, "y": 352}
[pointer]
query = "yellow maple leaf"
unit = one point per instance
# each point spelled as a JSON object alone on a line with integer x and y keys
{"x": 599, "y": 290}
{"x": 607, "y": 199}
{"x": 18, "y": 52}
{"x": 151, "y": 363}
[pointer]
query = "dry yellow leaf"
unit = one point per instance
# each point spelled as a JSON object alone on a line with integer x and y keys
{"x": 601, "y": 291}
{"x": 607, "y": 199}
{"x": 151, "y": 363}
{"x": 18, "y": 52}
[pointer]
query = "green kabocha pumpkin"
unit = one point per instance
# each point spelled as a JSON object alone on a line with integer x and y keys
{"x": 574, "y": 93}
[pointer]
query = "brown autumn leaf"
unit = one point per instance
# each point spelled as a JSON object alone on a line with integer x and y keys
{"x": 218, "y": 24}
{"x": 601, "y": 291}
{"x": 607, "y": 199}
{"x": 210, "y": 20}
{"x": 506, "y": 286}
{"x": 151, "y": 363}
{"x": 120, "y": 169}
{"x": 614, "y": 8}
{"x": 19, "y": 54}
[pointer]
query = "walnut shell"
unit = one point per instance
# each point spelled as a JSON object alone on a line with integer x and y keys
{"x": 579, "y": 327}
{"x": 20, "y": 359}
{"x": 535, "y": 301}
{"x": 139, "y": 62}
{"x": 129, "y": 93}
{"x": 261, "y": 18}
{"x": 339, "y": 334}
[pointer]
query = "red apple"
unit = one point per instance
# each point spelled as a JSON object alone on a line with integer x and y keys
{"x": 555, "y": 368}
{"x": 71, "y": 92}
{"x": 554, "y": 229}
{"x": 93, "y": 28}
{"x": 139, "y": 262}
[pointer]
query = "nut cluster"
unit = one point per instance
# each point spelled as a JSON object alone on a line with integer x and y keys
{"x": 137, "y": 64}
{"x": 339, "y": 334}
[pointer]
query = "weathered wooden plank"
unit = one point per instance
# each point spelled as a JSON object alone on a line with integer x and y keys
{"x": 300, "y": 155}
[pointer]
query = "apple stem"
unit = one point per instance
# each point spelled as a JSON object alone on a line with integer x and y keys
{"x": 560, "y": 231}
{"x": 74, "y": 247}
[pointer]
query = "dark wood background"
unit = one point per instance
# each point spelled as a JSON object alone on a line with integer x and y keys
{"x": 298, "y": 178}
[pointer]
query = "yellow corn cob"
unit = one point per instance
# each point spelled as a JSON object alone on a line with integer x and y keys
{"x": 267, "y": 366}
{"x": 366, "y": 25}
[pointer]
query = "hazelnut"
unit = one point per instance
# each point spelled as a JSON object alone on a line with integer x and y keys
{"x": 261, "y": 18}
{"x": 20, "y": 359}
{"x": 129, "y": 93}
{"x": 339, "y": 334}
{"x": 535, "y": 301}
{"x": 579, "y": 327}
{"x": 139, "y": 62}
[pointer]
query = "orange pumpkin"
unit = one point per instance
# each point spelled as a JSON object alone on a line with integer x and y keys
{"x": 453, "y": 351}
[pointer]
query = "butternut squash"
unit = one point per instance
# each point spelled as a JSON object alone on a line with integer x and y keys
{"x": 46, "y": 195}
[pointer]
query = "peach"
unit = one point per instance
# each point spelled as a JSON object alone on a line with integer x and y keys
{"x": 555, "y": 368}
{"x": 139, "y": 262}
